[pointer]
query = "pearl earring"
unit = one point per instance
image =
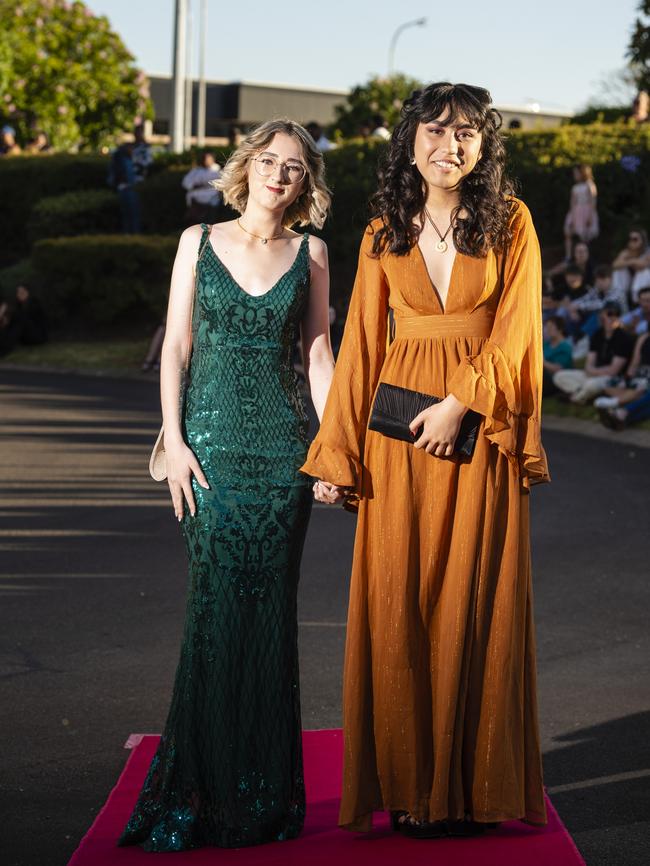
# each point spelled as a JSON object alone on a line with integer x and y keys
{"x": 412, "y": 160}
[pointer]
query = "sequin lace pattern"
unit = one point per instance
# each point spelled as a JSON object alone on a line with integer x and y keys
{"x": 228, "y": 771}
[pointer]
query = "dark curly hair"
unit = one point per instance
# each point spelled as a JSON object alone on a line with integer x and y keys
{"x": 485, "y": 193}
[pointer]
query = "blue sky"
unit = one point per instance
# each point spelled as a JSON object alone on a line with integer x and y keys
{"x": 555, "y": 52}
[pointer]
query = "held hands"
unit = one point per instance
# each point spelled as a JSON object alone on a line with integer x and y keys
{"x": 328, "y": 493}
{"x": 181, "y": 465}
{"x": 440, "y": 425}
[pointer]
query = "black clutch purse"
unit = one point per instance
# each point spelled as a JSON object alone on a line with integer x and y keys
{"x": 394, "y": 409}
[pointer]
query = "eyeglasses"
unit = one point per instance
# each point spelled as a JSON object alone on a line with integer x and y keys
{"x": 267, "y": 165}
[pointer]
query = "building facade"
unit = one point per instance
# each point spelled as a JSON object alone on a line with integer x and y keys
{"x": 241, "y": 104}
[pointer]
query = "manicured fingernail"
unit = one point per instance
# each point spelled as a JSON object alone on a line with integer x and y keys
{"x": 205, "y": 486}
{"x": 180, "y": 517}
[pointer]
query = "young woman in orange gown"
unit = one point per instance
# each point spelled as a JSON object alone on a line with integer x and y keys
{"x": 440, "y": 712}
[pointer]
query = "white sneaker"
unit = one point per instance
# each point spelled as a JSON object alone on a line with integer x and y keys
{"x": 606, "y": 402}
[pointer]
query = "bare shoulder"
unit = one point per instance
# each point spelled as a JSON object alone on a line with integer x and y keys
{"x": 317, "y": 250}
{"x": 190, "y": 238}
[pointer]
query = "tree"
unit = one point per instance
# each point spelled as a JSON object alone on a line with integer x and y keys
{"x": 383, "y": 96}
{"x": 64, "y": 71}
{"x": 639, "y": 48}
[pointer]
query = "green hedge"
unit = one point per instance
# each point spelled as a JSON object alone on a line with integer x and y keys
{"x": 25, "y": 180}
{"x": 75, "y": 213}
{"x": 539, "y": 160}
{"x": 163, "y": 201}
{"x": 103, "y": 279}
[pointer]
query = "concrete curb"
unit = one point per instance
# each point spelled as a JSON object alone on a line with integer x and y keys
{"x": 582, "y": 427}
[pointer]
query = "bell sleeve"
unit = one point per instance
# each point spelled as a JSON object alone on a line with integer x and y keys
{"x": 336, "y": 454}
{"x": 504, "y": 381}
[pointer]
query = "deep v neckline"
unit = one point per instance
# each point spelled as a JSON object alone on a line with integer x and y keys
{"x": 275, "y": 284}
{"x": 435, "y": 289}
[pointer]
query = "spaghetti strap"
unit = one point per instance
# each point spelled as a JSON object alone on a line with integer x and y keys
{"x": 204, "y": 237}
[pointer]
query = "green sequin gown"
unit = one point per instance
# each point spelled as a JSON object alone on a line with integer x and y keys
{"x": 228, "y": 771}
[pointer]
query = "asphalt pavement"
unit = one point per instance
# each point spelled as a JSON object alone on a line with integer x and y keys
{"x": 93, "y": 581}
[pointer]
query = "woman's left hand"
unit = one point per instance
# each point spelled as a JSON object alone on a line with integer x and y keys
{"x": 440, "y": 425}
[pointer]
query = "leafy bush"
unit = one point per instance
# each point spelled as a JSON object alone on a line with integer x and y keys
{"x": 100, "y": 279}
{"x": 163, "y": 201}
{"x": 64, "y": 70}
{"x": 25, "y": 180}
{"x": 539, "y": 160}
{"x": 75, "y": 213}
{"x": 21, "y": 273}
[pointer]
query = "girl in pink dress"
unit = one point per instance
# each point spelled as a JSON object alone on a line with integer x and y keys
{"x": 582, "y": 218}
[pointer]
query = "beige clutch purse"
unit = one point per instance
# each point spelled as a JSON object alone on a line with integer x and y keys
{"x": 158, "y": 459}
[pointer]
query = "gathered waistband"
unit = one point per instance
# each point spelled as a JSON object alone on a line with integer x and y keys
{"x": 476, "y": 324}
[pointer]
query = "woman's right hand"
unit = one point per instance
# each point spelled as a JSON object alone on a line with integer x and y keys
{"x": 328, "y": 493}
{"x": 181, "y": 465}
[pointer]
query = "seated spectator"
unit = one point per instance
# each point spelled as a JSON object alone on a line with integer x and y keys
{"x": 25, "y": 323}
{"x": 8, "y": 144}
{"x": 558, "y": 352}
{"x": 39, "y": 144}
{"x": 28, "y": 319}
{"x": 7, "y": 338}
{"x": 636, "y": 321}
{"x": 610, "y": 350}
{"x": 202, "y": 198}
{"x": 567, "y": 295}
{"x": 631, "y": 267}
{"x": 320, "y": 139}
{"x": 380, "y": 127}
{"x": 603, "y": 283}
{"x": 581, "y": 257}
{"x": 630, "y": 404}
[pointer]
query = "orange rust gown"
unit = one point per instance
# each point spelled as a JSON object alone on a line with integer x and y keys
{"x": 439, "y": 703}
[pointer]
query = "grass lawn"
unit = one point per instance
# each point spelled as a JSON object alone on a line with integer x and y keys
{"x": 124, "y": 356}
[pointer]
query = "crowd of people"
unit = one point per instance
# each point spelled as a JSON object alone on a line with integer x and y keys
{"x": 596, "y": 346}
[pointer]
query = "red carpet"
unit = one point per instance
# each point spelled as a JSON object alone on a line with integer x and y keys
{"x": 513, "y": 844}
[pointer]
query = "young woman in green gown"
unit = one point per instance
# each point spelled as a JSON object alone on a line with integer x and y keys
{"x": 228, "y": 770}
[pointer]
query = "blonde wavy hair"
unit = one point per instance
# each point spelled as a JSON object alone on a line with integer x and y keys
{"x": 313, "y": 203}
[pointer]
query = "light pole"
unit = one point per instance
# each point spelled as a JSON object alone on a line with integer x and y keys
{"x": 200, "y": 119}
{"x": 418, "y": 22}
{"x": 178, "y": 79}
{"x": 188, "y": 81}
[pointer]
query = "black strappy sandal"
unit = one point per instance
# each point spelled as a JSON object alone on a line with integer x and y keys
{"x": 403, "y": 822}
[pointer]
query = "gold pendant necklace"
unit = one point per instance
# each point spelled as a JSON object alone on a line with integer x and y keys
{"x": 259, "y": 237}
{"x": 442, "y": 245}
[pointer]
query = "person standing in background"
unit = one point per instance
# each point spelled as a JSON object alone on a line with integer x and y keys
{"x": 582, "y": 218}
{"x": 141, "y": 154}
{"x": 121, "y": 177}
